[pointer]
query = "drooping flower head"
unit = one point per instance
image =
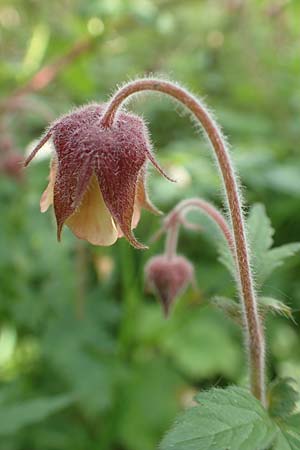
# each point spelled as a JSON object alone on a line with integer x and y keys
{"x": 97, "y": 174}
{"x": 168, "y": 278}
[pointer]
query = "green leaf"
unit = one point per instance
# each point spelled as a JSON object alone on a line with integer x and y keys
{"x": 288, "y": 437}
{"x": 276, "y": 257}
{"x": 260, "y": 235}
{"x": 202, "y": 345}
{"x": 264, "y": 259}
{"x": 226, "y": 258}
{"x": 283, "y": 400}
{"x": 74, "y": 353}
{"x": 273, "y": 305}
{"x": 282, "y": 397}
{"x": 225, "y": 419}
{"x": 260, "y": 230}
{"x": 147, "y": 404}
{"x": 231, "y": 308}
{"x": 17, "y": 416}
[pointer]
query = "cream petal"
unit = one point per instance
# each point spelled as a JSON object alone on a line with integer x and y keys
{"x": 136, "y": 216}
{"x": 47, "y": 196}
{"x": 92, "y": 221}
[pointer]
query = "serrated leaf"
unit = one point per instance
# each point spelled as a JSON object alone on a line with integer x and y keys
{"x": 286, "y": 441}
{"x": 276, "y": 257}
{"x": 264, "y": 259}
{"x": 283, "y": 397}
{"x": 260, "y": 230}
{"x": 260, "y": 235}
{"x": 225, "y": 419}
{"x": 226, "y": 258}
{"x": 273, "y": 305}
{"x": 15, "y": 417}
{"x": 288, "y": 434}
{"x": 231, "y": 308}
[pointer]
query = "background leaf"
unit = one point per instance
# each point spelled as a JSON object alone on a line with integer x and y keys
{"x": 260, "y": 231}
{"x": 264, "y": 258}
{"x": 199, "y": 345}
{"x": 276, "y": 258}
{"x": 74, "y": 318}
{"x": 15, "y": 417}
{"x": 229, "y": 418}
{"x": 283, "y": 397}
{"x": 288, "y": 437}
{"x": 276, "y": 306}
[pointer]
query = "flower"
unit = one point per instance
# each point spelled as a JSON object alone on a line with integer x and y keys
{"x": 97, "y": 175}
{"x": 168, "y": 278}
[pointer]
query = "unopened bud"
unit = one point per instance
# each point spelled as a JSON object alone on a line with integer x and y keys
{"x": 168, "y": 278}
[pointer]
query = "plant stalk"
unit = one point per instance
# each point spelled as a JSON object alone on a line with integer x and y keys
{"x": 198, "y": 203}
{"x": 252, "y": 323}
{"x": 172, "y": 240}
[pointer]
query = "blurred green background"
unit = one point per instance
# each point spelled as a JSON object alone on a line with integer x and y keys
{"x": 86, "y": 359}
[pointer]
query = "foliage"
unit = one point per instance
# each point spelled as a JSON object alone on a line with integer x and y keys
{"x": 15, "y": 417}
{"x": 282, "y": 398}
{"x": 224, "y": 418}
{"x": 264, "y": 258}
{"x": 83, "y": 350}
{"x": 233, "y": 418}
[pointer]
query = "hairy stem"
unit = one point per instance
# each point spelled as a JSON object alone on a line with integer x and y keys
{"x": 172, "y": 240}
{"x": 252, "y": 323}
{"x": 198, "y": 203}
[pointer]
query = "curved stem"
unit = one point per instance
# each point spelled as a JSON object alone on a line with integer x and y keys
{"x": 252, "y": 322}
{"x": 172, "y": 240}
{"x": 209, "y": 210}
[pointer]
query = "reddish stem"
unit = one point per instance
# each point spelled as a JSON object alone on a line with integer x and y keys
{"x": 171, "y": 240}
{"x": 252, "y": 322}
{"x": 209, "y": 210}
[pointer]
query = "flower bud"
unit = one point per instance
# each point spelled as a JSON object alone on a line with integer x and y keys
{"x": 168, "y": 278}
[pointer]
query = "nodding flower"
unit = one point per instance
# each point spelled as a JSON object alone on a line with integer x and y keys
{"x": 97, "y": 174}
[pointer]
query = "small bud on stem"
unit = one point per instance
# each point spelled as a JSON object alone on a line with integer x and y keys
{"x": 182, "y": 208}
{"x": 168, "y": 278}
{"x": 177, "y": 271}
